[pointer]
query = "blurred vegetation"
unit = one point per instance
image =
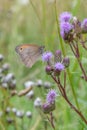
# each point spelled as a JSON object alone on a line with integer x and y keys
{"x": 34, "y": 21}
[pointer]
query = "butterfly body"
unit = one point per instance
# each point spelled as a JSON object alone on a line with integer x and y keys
{"x": 29, "y": 53}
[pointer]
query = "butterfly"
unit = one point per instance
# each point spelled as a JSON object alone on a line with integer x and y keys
{"x": 29, "y": 53}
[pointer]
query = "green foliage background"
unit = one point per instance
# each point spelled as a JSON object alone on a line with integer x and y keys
{"x": 36, "y": 23}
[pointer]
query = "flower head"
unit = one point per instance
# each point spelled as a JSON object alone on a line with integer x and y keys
{"x": 84, "y": 25}
{"x": 58, "y": 52}
{"x": 29, "y": 114}
{"x": 37, "y": 102}
{"x": 51, "y": 96}
{"x": 59, "y": 66}
{"x": 48, "y": 69}
{"x": 66, "y": 61}
{"x": 66, "y": 27}
{"x": 65, "y": 17}
{"x": 58, "y": 56}
{"x": 47, "y": 107}
{"x": 47, "y": 56}
{"x": 20, "y": 114}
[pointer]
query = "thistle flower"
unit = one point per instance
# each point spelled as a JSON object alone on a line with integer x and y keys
{"x": 29, "y": 84}
{"x": 66, "y": 61}
{"x": 47, "y": 56}
{"x": 28, "y": 114}
{"x": 84, "y": 25}
{"x": 51, "y": 96}
{"x": 59, "y": 66}
{"x": 58, "y": 52}
{"x": 58, "y": 56}
{"x": 66, "y": 27}
{"x": 8, "y": 78}
{"x": 48, "y": 69}
{"x": 47, "y": 107}
{"x": 37, "y": 102}
{"x": 65, "y": 17}
{"x": 20, "y": 114}
{"x": 39, "y": 83}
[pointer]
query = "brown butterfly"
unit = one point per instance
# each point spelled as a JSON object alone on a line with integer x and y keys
{"x": 29, "y": 53}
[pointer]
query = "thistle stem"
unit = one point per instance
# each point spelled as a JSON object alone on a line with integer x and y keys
{"x": 76, "y": 53}
{"x": 63, "y": 51}
{"x": 63, "y": 92}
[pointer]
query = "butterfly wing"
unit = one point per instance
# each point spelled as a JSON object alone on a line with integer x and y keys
{"x": 29, "y": 53}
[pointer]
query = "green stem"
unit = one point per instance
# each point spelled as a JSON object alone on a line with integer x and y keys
{"x": 35, "y": 11}
{"x": 60, "y": 39}
{"x": 42, "y": 20}
{"x": 63, "y": 51}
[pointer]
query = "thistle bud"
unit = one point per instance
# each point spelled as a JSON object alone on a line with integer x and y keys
{"x": 48, "y": 69}
{"x": 39, "y": 83}
{"x": 29, "y": 84}
{"x": 37, "y": 102}
{"x": 58, "y": 68}
{"x": 58, "y": 56}
{"x": 47, "y": 107}
{"x": 8, "y": 77}
{"x": 28, "y": 114}
{"x": 20, "y": 114}
{"x": 66, "y": 61}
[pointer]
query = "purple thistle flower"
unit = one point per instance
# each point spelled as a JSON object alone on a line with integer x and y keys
{"x": 66, "y": 61}
{"x": 66, "y": 27}
{"x": 59, "y": 66}
{"x": 58, "y": 52}
{"x": 48, "y": 69}
{"x": 47, "y": 107}
{"x": 58, "y": 56}
{"x": 51, "y": 96}
{"x": 47, "y": 56}
{"x": 84, "y": 25}
{"x": 65, "y": 17}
